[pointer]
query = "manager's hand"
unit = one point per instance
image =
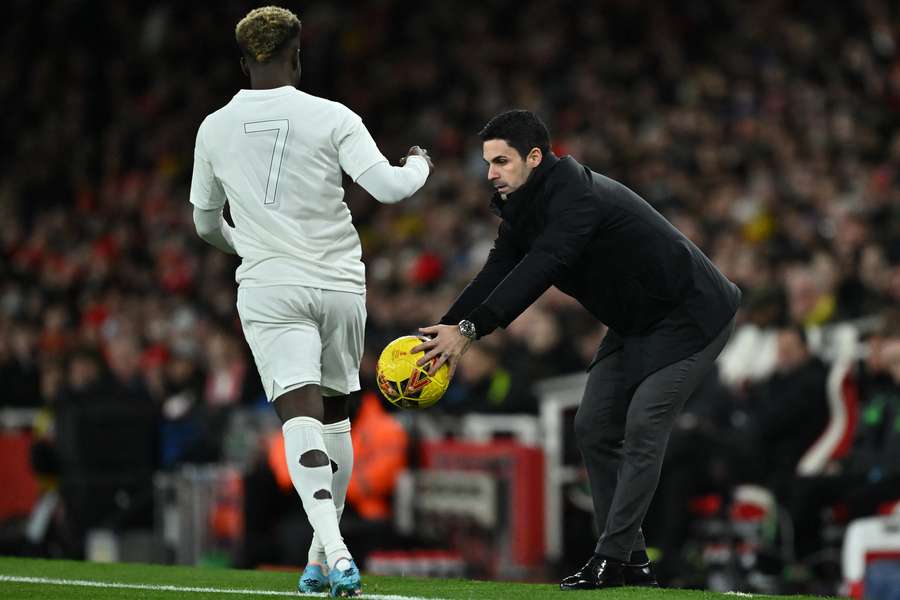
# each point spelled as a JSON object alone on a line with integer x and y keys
{"x": 447, "y": 345}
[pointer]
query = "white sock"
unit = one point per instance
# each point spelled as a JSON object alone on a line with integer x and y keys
{"x": 340, "y": 450}
{"x": 313, "y": 484}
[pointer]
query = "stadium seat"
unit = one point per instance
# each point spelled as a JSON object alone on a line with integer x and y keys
{"x": 843, "y": 405}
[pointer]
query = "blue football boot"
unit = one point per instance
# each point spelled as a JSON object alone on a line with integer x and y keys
{"x": 345, "y": 582}
{"x": 313, "y": 580}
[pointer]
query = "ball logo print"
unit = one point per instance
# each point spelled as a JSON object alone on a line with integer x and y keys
{"x": 403, "y": 382}
{"x": 418, "y": 381}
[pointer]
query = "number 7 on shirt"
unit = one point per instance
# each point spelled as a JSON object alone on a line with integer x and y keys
{"x": 281, "y": 128}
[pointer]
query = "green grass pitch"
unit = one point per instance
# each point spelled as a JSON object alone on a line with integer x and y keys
{"x": 68, "y": 580}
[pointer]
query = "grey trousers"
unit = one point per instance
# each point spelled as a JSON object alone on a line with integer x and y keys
{"x": 623, "y": 441}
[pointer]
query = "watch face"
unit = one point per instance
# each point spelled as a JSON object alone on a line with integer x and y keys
{"x": 467, "y": 328}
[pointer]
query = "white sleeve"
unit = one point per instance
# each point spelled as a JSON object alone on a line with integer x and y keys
{"x": 212, "y": 229}
{"x": 206, "y": 190}
{"x": 357, "y": 151}
{"x": 392, "y": 184}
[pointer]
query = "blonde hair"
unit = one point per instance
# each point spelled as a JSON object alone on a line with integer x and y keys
{"x": 265, "y": 31}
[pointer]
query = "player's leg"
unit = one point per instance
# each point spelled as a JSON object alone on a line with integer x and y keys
{"x": 280, "y": 326}
{"x": 311, "y": 467}
{"x": 340, "y": 450}
{"x": 340, "y": 447}
{"x": 343, "y": 322}
{"x": 651, "y": 414}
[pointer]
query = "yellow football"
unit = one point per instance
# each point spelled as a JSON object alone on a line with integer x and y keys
{"x": 403, "y": 382}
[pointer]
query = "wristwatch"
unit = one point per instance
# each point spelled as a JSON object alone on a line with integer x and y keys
{"x": 467, "y": 329}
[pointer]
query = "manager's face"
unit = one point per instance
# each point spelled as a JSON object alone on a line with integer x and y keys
{"x": 507, "y": 169}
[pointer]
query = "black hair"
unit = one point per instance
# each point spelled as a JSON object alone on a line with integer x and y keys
{"x": 521, "y": 129}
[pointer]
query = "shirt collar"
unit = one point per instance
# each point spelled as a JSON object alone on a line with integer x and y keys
{"x": 498, "y": 205}
{"x": 268, "y": 92}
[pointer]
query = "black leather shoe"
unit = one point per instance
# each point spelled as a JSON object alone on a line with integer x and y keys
{"x": 639, "y": 574}
{"x": 596, "y": 574}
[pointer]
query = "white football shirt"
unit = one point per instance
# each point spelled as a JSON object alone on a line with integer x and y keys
{"x": 277, "y": 156}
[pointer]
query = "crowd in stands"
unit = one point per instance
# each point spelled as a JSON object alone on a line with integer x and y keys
{"x": 767, "y": 132}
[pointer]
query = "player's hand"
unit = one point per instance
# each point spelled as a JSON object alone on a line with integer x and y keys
{"x": 417, "y": 151}
{"x": 447, "y": 345}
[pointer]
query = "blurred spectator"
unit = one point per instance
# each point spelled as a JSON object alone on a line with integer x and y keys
{"x": 270, "y": 508}
{"x": 123, "y": 355}
{"x": 543, "y": 349}
{"x": 227, "y": 372}
{"x": 105, "y": 447}
{"x": 18, "y": 365}
{"x": 483, "y": 385}
{"x": 869, "y": 474}
{"x": 751, "y": 354}
{"x": 787, "y": 412}
{"x": 379, "y": 454}
{"x": 87, "y": 377}
{"x": 183, "y": 434}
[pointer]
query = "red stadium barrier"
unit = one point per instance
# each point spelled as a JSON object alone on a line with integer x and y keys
{"x": 20, "y": 486}
{"x": 522, "y": 468}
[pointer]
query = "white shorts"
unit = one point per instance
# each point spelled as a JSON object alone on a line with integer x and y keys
{"x": 301, "y": 335}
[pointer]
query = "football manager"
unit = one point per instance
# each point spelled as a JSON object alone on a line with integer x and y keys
{"x": 668, "y": 309}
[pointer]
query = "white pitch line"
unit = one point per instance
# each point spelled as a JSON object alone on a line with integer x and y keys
{"x": 178, "y": 588}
